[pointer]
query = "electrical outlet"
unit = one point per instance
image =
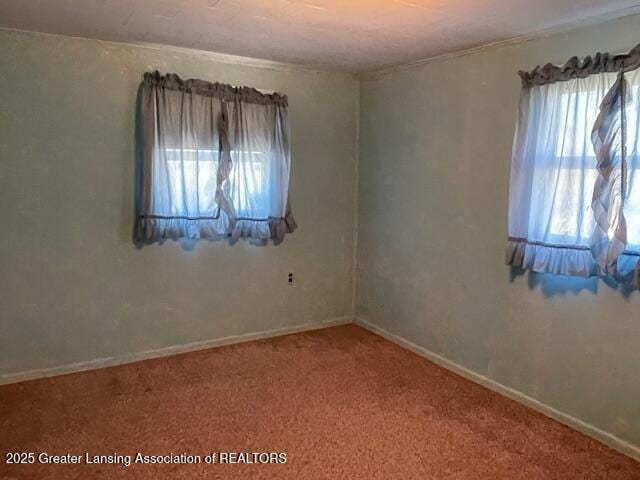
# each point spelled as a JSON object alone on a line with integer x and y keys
{"x": 290, "y": 279}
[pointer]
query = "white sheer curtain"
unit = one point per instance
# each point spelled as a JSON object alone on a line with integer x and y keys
{"x": 632, "y": 198}
{"x": 564, "y": 216}
{"x": 215, "y": 161}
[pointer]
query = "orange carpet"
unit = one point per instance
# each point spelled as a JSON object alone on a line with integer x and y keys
{"x": 341, "y": 403}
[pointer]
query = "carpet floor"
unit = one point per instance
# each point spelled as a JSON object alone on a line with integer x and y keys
{"x": 342, "y": 403}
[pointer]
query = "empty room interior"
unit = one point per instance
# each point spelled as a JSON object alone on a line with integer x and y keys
{"x": 320, "y": 239}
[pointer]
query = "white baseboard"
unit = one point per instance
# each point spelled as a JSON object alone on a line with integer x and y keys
{"x": 166, "y": 351}
{"x": 607, "y": 438}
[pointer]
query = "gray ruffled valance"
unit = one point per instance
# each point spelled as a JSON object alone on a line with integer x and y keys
{"x": 556, "y": 259}
{"x": 574, "y": 68}
{"x": 215, "y": 161}
{"x": 150, "y": 228}
{"x": 229, "y": 93}
{"x": 570, "y": 261}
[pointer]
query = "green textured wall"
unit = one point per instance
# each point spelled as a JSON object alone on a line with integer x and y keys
{"x": 73, "y": 287}
{"x": 435, "y": 148}
{"x": 435, "y": 145}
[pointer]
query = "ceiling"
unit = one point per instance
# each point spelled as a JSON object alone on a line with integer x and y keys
{"x": 344, "y": 35}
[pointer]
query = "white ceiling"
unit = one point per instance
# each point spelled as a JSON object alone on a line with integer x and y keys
{"x": 346, "y": 35}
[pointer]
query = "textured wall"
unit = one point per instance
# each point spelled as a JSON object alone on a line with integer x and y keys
{"x": 435, "y": 146}
{"x": 73, "y": 287}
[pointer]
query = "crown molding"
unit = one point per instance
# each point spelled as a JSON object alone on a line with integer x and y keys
{"x": 564, "y": 28}
{"x": 193, "y": 52}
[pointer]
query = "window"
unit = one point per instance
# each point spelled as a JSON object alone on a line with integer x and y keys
{"x": 576, "y": 161}
{"x": 215, "y": 161}
{"x": 192, "y": 173}
{"x": 191, "y": 179}
{"x": 569, "y": 213}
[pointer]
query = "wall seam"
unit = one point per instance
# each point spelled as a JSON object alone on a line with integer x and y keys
{"x": 354, "y": 274}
